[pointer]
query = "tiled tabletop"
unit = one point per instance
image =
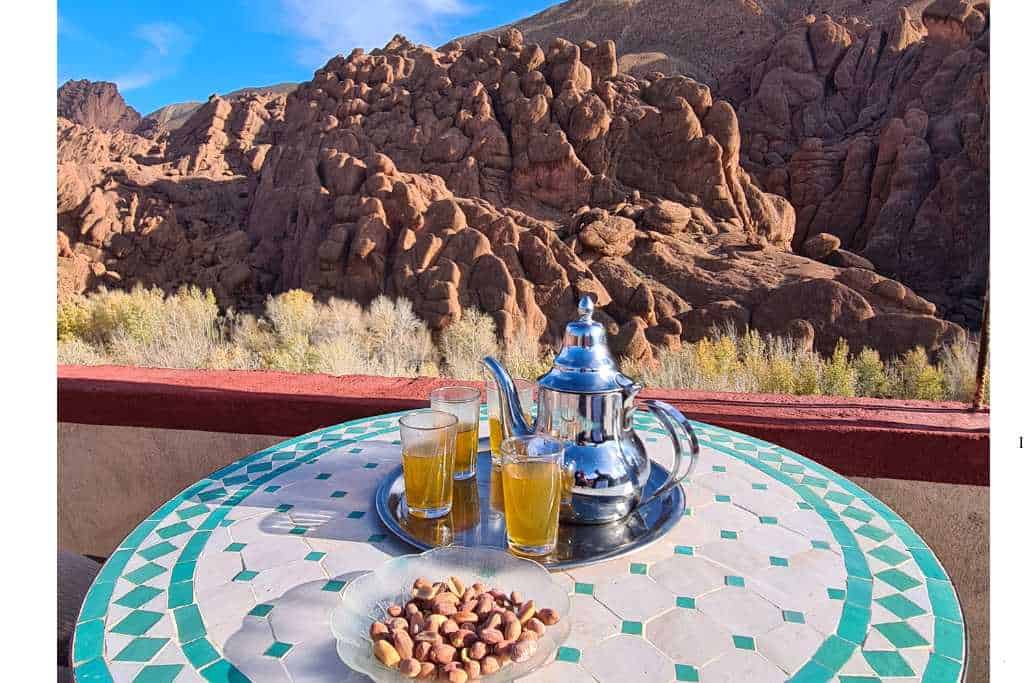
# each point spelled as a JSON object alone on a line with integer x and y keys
{"x": 780, "y": 570}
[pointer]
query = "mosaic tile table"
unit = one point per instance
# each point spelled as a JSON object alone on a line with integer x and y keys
{"x": 781, "y": 570}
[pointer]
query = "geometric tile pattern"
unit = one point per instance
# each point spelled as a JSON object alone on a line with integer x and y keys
{"x": 780, "y": 570}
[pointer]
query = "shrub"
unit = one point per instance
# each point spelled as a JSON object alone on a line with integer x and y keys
{"x": 918, "y": 378}
{"x": 523, "y": 356}
{"x": 838, "y": 377}
{"x": 959, "y": 366}
{"x": 464, "y": 342}
{"x": 872, "y": 378}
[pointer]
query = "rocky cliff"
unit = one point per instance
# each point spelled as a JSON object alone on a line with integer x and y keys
{"x": 498, "y": 174}
{"x": 96, "y": 103}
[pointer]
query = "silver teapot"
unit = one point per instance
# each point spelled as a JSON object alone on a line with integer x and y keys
{"x": 588, "y": 403}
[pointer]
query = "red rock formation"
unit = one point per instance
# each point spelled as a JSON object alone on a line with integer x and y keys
{"x": 96, "y": 103}
{"x": 498, "y": 175}
{"x": 879, "y": 136}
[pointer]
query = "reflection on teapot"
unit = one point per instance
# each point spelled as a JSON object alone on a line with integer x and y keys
{"x": 585, "y": 401}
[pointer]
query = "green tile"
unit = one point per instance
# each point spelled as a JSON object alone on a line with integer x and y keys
{"x": 234, "y": 547}
{"x": 140, "y": 650}
{"x": 804, "y": 506}
{"x": 887, "y": 663}
{"x": 722, "y": 498}
{"x": 792, "y": 616}
{"x": 137, "y": 622}
{"x": 183, "y": 571}
{"x": 839, "y": 497}
{"x": 213, "y": 494}
{"x": 193, "y": 511}
{"x": 284, "y": 507}
{"x": 686, "y": 603}
{"x": 949, "y": 639}
{"x": 138, "y": 596}
{"x": 637, "y": 568}
{"x": 820, "y": 545}
{"x": 759, "y": 487}
{"x": 333, "y": 586}
{"x": 768, "y": 520}
{"x": 685, "y": 672}
{"x": 853, "y": 623}
{"x": 888, "y": 555}
{"x": 377, "y": 538}
{"x": 179, "y": 594}
{"x": 190, "y": 623}
{"x": 298, "y": 530}
{"x": 778, "y": 561}
{"x": 858, "y": 592}
{"x": 728, "y": 535}
{"x": 873, "y": 532}
{"x": 97, "y": 600}
{"x": 901, "y": 606}
{"x": 199, "y": 652}
{"x": 718, "y": 468}
{"x": 734, "y": 581}
{"x": 860, "y": 679}
{"x": 145, "y": 573}
{"x": 568, "y": 654}
{"x": 370, "y": 465}
{"x": 356, "y": 514}
{"x": 95, "y": 669}
{"x": 857, "y": 514}
{"x": 584, "y": 588}
{"x": 929, "y": 565}
{"x": 856, "y": 564}
{"x": 158, "y": 550}
{"x": 941, "y": 670}
{"x": 790, "y": 468}
{"x": 158, "y": 673}
{"x": 901, "y": 634}
{"x": 272, "y": 489}
{"x": 277, "y": 649}
{"x": 816, "y": 482}
{"x": 812, "y": 672}
{"x": 261, "y": 610}
{"x": 223, "y": 671}
{"x": 315, "y": 556}
{"x": 943, "y": 600}
{"x": 323, "y": 475}
{"x": 836, "y": 594}
{"x": 339, "y": 494}
{"x": 633, "y": 628}
{"x": 238, "y": 479}
{"x": 88, "y": 640}
{"x": 743, "y": 642}
{"x": 255, "y": 469}
{"x": 173, "y": 530}
{"x": 833, "y": 653}
{"x": 897, "y": 579}
{"x": 245, "y": 575}
{"x": 684, "y": 550}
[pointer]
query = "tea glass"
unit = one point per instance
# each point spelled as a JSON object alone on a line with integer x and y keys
{"x": 428, "y": 461}
{"x": 464, "y": 404}
{"x": 531, "y": 480}
{"x": 525, "y": 389}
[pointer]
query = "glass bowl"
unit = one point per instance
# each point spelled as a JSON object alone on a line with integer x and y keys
{"x": 365, "y": 599}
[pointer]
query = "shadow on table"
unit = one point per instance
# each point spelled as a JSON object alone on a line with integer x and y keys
{"x": 299, "y": 618}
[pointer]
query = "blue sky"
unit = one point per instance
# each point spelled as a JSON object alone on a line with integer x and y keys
{"x": 164, "y": 52}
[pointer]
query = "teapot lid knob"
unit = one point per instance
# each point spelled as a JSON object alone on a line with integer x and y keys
{"x": 586, "y": 308}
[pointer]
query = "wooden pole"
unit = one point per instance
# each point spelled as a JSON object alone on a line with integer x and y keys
{"x": 981, "y": 375}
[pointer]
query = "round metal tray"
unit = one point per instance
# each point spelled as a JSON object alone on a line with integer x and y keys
{"x": 473, "y": 522}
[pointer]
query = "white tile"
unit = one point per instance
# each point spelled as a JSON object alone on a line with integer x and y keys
{"x": 727, "y": 516}
{"x": 347, "y": 557}
{"x": 260, "y": 668}
{"x": 773, "y": 539}
{"x": 736, "y": 556}
{"x": 275, "y": 582}
{"x": 692, "y": 532}
{"x": 689, "y": 636}
{"x": 273, "y": 552}
{"x": 740, "y": 611}
{"x": 790, "y": 646}
{"x": 592, "y": 622}
{"x": 230, "y": 601}
{"x": 825, "y": 617}
{"x": 634, "y": 597}
{"x": 826, "y": 568}
{"x": 319, "y": 663}
{"x": 558, "y": 672}
{"x": 688, "y": 576}
{"x": 856, "y": 665}
{"x": 603, "y": 571}
{"x": 251, "y": 640}
{"x": 742, "y": 666}
{"x": 627, "y": 658}
{"x": 789, "y": 589}
{"x": 215, "y": 568}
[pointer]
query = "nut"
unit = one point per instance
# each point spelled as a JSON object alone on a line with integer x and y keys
{"x": 427, "y": 670}
{"x": 403, "y": 644}
{"x": 455, "y": 585}
{"x": 432, "y": 637}
{"x": 394, "y": 611}
{"x": 526, "y": 612}
{"x": 425, "y": 593}
{"x": 385, "y": 652}
{"x": 416, "y": 623}
{"x": 478, "y": 650}
{"x": 508, "y": 617}
{"x": 411, "y": 609}
{"x": 421, "y": 650}
{"x": 422, "y": 582}
{"x": 491, "y": 636}
{"x": 441, "y": 653}
{"x": 378, "y": 630}
{"x": 457, "y": 676}
{"x": 548, "y": 616}
{"x": 517, "y": 598}
{"x": 446, "y": 608}
{"x": 463, "y": 637}
{"x": 512, "y": 630}
{"x": 489, "y": 665}
{"x": 435, "y": 621}
{"x": 485, "y": 604}
{"x": 536, "y": 625}
{"x": 397, "y": 623}
{"x": 410, "y": 668}
{"x": 523, "y": 650}
{"x": 468, "y": 605}
{"x": 492, "y": 622}
{"x": 473, "y": 669}
{"x": 527, "y": 635}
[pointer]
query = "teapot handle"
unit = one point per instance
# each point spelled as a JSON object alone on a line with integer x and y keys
{"x": 670, "y": 418}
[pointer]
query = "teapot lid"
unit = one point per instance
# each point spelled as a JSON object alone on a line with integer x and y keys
{"x": 585, "y": 364}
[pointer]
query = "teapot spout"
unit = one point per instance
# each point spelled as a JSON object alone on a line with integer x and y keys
{"x": 513, "y": 422}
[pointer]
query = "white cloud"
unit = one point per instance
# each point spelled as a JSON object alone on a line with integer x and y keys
{"x": 165, "y": 45}
{"x": 330, "y": 27}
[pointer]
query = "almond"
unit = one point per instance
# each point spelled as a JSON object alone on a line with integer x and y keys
{"x": 386, "y": 653}
{"x": 427, "y": 670}
{"x": 403, "y": 644}
{"x": 536, "y": 625}
{"x": 378, "y": 630}
{"x": 473, "y": 670}
{"x": 455, "y": 585}
{"x": 512, "y": 630}
{"x": 410, "y": 668}
{"x": 478, "y": 650}
{"x": 457, "y": 676}
{"x": 441, "y": 653}
{"x": 491, "y": 636}
{"x": 548, "y": 616}
{"x": 489, "y": 665}
{"x": 526, "y": 612}
{"x": 421, "y": 650}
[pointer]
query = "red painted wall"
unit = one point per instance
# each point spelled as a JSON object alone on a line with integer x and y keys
{"x": 941, "y": 442}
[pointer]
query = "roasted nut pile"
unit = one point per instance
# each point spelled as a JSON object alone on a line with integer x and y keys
{"x": 453, "y": 632}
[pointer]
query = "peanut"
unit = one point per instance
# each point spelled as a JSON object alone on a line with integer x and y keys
{"x": 489, "y": 665}
{"x": 421, "y": 650}
{"x": 473, "y": 669}
{"x": 442, "y": 653}
{"x": 457, "y": 676}
{"x": 427, "y": 670}
{"x": 378, "y": 630}
{"x": 548, "y": 616}
{"x": 526, "y": 612}
{"x": 491, "y": 636}
{"x": 478, "y": 650}
{"x": 410, "y": 668}
{"x": 536, "y": 625}
{"x": 385, "y": 652}
{"x": 512, "y": 630}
